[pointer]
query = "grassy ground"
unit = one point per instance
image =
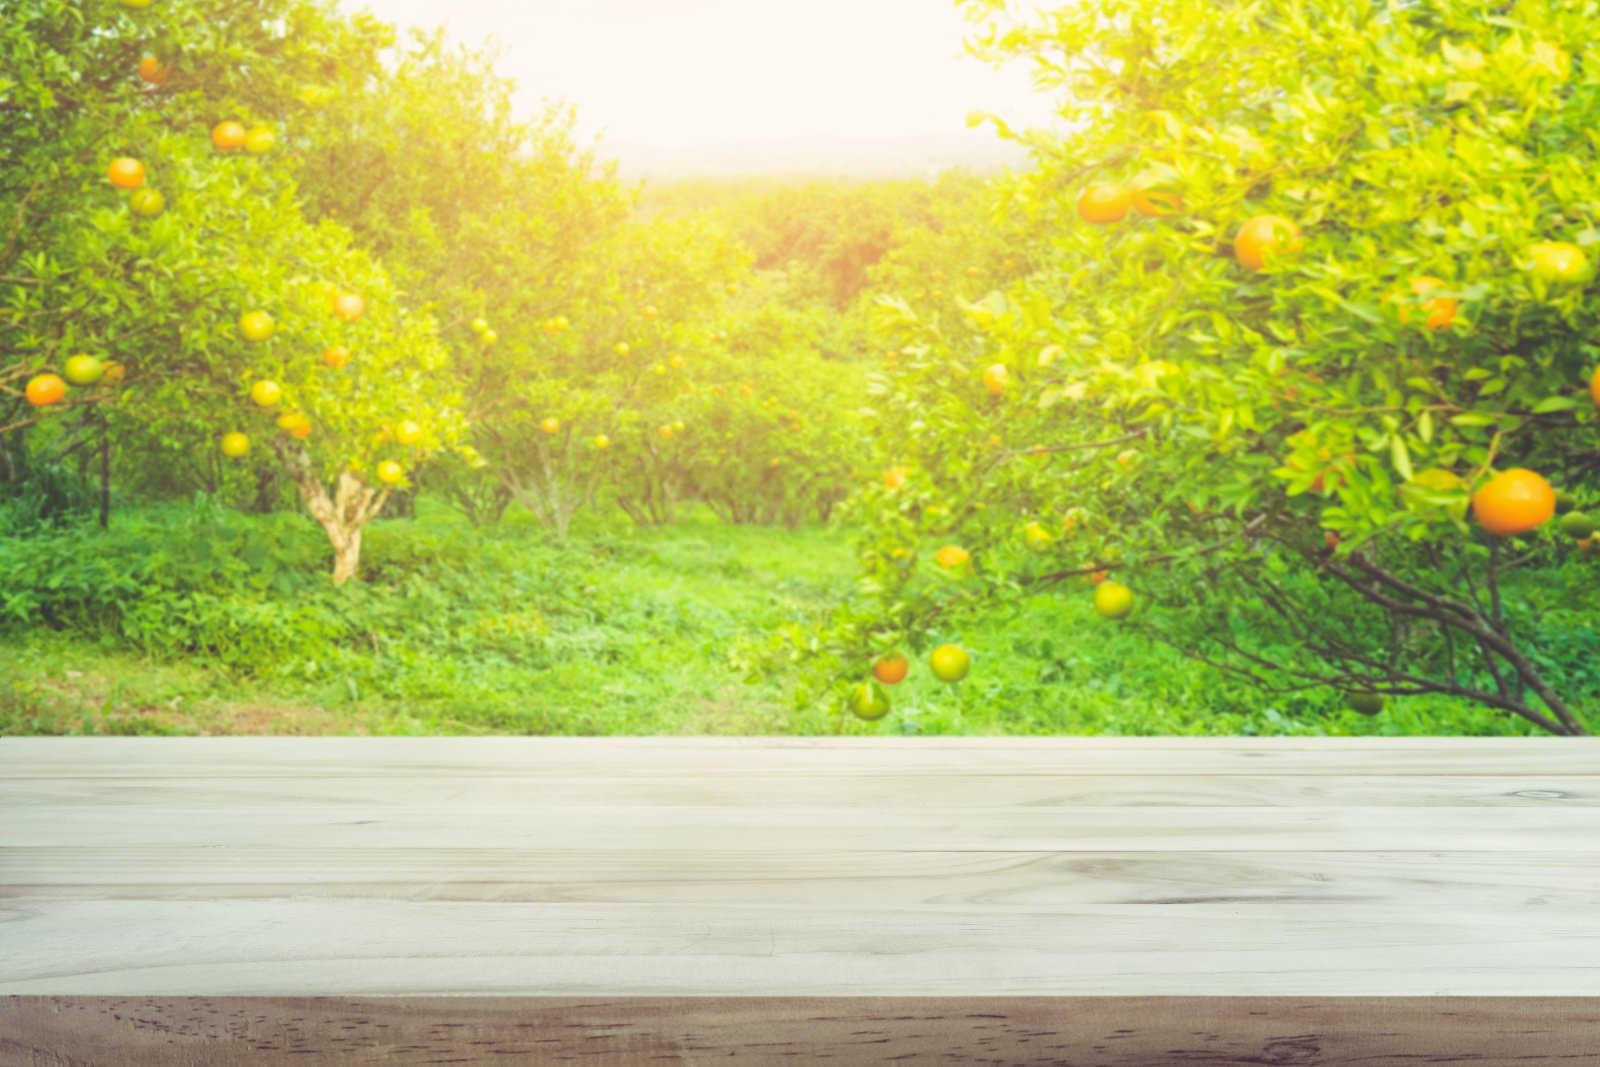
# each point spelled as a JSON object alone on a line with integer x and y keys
{"x": 621, "y": 631}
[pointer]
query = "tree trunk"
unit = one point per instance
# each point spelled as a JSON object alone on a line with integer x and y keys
{"x": 353, "y": 505}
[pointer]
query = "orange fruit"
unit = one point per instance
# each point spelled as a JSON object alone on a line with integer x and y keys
{"x": 45, "y": 389}
{"x": 408, "y": 432}
{"x": 891, "y": 669}
{"x": 995, "y": 378}
{"x": 256, "y": 325}
{"x": 1266, "y": 238}
{"x": 259, "y": 141}
{"x": 266, "y": 393}
{"x": 228, "y": 136}
{"x": 1441, "y": 310}
{"x": 83, "y": 369}
{"x": 1113, "y": 600}
{"x": 294, "y": 424}
{"x": 235, "y": 444}
{"x": 336, "y": 356}
{"x": 1155, "y": 200}
{"x": 952, "y": 557}
{"x": 550, "y": 425}
{"x": 350, "y": 307}
{"x": 1103, "y": 203}
{"x": 126, "y": 173}
{"x": 950, "y": 663}
{"x": 869, "y": 701}
{"x": 115, "y": 371}
{"x": 1594, "y": 386}
{"x": 147, "y": 202}
{"x": 1557, "y": 261}
{"x": 151, "y": 70}
{"x": 390, "y": 472}
{"x": 1513, "y": 502}
{"x": 650, "y": 311}
{"x": 894, "y": 477}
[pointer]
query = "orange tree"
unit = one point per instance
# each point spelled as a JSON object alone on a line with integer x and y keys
{"x": 169, "y": 245}
{"x": 1271, "y": 430}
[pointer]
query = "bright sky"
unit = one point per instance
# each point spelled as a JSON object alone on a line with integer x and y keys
{"x": 689, "y": 73}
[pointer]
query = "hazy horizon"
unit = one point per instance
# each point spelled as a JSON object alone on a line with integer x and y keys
{"x": 689, "y": 88}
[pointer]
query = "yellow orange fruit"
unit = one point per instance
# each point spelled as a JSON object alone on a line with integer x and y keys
{"x": 1514, "y": 502}
{"x": 43, "y": 390}
{"x": 126, "y": 172}
{"x": 891, "y": 669}
{"x": 228, "y": 136}
{"x": 950, "y": 663}
{"x": 1104, "y": 203}
{"x": 1265, "y": 239}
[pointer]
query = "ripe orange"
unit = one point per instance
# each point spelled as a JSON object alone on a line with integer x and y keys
{"x": 950, "y": 663}
{"x": 895, "y": 477}
{"x": 1441, "y": 310}
{"x": 228, "y": 136}
{"x": 336, "y": 356}
{"x": 974, "y": 272}
{"x": 126, "y": 173}
{"x": 1513, "y": 502}
{"x": 151, "y": 70}
{"x": 1156, "y": 203}
{"x": 1266, "y": 238}
{"x": 408, "y": 432}
{"x": 995, "y": 378}
{"x": 294, "y": 424}
{"x": 1097, "y": 578}
{"x": 601, "y": 441}
{"x": 45, "y": 389}
{"x": 891, "y": 669}
{"x": 650, "y": 311}
{"x": 235, "y": 444}
{"x": 952, "y": 557}
{"x": 115, "y": 372}
{"x": 390, "y": 472}
{"x": 664, "y": 431}
{"x": 350, "y": 307}
{"x": 550, "y": 425}
{"x": 1104, "y": 203}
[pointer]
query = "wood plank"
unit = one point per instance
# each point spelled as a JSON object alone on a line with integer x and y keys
{"x": 608, "y": 867}
{"x": 558, "y": 788}
{"x": 1234, "y": 944}
{"x": 1104, "y": 1031}
{"x": 159, "y": 757}
{"x": 843, "y": 828}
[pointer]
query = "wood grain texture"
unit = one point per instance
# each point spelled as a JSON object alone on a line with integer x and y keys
{"x": 659, "y": 867}
{"x": 1101, "y": 1031}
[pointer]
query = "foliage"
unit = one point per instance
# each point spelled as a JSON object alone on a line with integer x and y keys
{"x": 1210, "y": 431}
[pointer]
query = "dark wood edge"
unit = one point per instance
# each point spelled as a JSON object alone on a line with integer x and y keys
{"x": 1116, "y": 1031}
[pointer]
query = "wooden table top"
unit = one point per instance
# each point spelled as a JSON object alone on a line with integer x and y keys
{"x": 799, "y": 867}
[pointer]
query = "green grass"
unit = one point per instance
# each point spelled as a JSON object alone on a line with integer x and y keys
{"x": 195, "y": 620}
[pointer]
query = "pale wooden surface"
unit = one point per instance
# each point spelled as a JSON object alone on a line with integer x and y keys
{"x": 799, "y": 867}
